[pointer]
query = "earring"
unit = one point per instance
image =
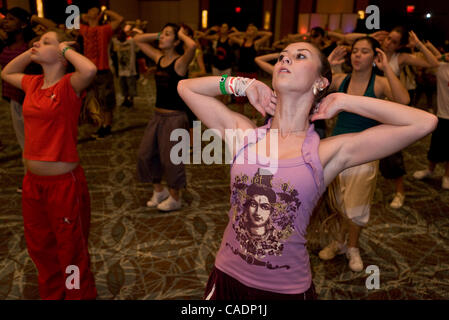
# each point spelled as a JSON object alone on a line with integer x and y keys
{"x": 374, "y": 64}
{"x": 315, "y": 90}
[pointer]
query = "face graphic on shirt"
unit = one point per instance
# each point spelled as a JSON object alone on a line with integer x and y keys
{"x": 259, "y": 209}
{"x": 264, "y": 215}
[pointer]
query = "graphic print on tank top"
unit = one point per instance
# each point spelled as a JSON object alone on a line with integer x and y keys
{"x": 263, "y": 216}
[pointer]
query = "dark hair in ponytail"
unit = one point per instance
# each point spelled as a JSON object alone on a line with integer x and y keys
{"x": 374, "y": 45}
{"x": 24, "y": 17}
{"x": 373, "y": 42}
{"x": 404, "y": 35}
{"x": 325, "y": 72}
{"x": 179, "y": 48}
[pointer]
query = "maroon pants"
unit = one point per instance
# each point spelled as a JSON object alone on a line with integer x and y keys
{"x": 56, "y": 216}
{"x": 221, "y": 286}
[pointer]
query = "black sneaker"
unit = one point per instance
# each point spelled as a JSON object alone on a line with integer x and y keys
{"x": 128, "y": 103}
{"x": 99, "y": 133}
{"x": 107, "y": 131}
{"x": 102, "y": 133}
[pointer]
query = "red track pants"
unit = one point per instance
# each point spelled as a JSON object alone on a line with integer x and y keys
{"x": 56, "y": 216}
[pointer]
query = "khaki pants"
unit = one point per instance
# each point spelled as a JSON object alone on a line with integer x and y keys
{"x": 354, "y": 190}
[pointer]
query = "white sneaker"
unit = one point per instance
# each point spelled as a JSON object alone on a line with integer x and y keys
{"x": 355, "y": 261}
{"x": 331, "y": 250}
{"x": 422, "y": 174}
{"x": 398, "y": 200}
{"x": 157, "y": 198}
{"x": 445, "y": 182}
{"x": 170, "y": 204}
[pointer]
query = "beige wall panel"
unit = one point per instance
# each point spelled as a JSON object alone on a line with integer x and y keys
{"x": 19, "y": 3}
{"x": 334, "y": 6}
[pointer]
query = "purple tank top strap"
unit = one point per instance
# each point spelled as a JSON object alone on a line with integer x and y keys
{"x": 260, "y": 131}
{"x": 312, "y": 159}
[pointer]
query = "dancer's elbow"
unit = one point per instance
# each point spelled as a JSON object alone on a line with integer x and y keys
{"x": 427, "y": 124}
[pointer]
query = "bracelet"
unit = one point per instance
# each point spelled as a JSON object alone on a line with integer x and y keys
{"x": 238, "y": 85}
{"x": 443, "y": 57}
{"x": 223, "y": 84}
{"x": 64, "y": 50}
{"x": 158, "y": 35}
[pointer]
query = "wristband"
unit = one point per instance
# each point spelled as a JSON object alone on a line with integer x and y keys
{"x": 64, "y": 50}
{"x": 238, "y": 85}
{"x": 223, "y": 84}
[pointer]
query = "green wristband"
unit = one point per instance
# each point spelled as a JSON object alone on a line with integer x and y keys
{"x": 223, "y": 84}
{"x": 64, "y": 50}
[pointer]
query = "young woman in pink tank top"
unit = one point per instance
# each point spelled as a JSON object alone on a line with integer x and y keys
{"x": 263, "y": 252}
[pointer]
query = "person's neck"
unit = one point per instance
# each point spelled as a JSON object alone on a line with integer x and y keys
{"x": 52, "y": 74}
{"x": 292, "y": 114}
{"x": 389, "y": 54}
{"x": 361, "y": 75}
{"x": 249, "y": 40}
{"x": 92, "y": 22}
{"x": 169, "y": 54}
{"x": 19, "y": 40}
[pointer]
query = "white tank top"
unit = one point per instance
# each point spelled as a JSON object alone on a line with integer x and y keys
{"x": 394, "y": 64}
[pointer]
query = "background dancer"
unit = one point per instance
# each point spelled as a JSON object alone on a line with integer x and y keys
{"x": 170, "y": 114}
{"x": 55, "y": 198}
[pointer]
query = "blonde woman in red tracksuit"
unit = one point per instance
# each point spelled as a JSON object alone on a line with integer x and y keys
{"x": 55, "y": 198}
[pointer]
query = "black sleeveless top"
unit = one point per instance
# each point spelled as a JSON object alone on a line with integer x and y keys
{"x": 167, "y": 79}
{"x": 247, "y": 56}
{"x": 222, "y": 58}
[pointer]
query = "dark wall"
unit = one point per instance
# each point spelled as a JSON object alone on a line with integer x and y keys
{"x": 55, "y": 9}
{"x": 224, "y": 11}
{"x": 436, "y": 29}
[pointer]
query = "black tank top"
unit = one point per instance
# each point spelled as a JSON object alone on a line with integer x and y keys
{"x": 222, "y": 57}
{"x": 167, "y": 79}
{"x": 247, "y": 56}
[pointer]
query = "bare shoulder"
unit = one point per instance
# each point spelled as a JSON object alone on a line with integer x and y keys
{"x": 243, "y": 123}
{"x": 379, "y": 86}
{"x": 403, "y": 57}
{"x": 337, "y": 79}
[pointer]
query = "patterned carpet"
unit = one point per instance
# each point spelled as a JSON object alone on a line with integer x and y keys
{"x": 139, "y": 253}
